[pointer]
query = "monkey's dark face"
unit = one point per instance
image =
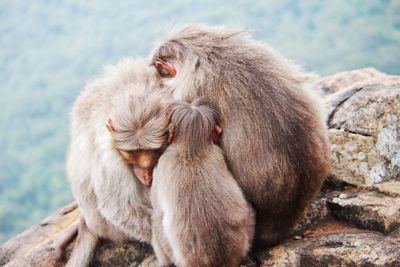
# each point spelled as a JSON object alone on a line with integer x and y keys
{"x": 141, "y": 148}
{"x": 143, "y": 162}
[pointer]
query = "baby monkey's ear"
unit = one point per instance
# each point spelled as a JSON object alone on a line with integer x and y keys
{"x": 170, "y": 133}
{"x": 110, "y": 126}
{"x": 216, "y": 134}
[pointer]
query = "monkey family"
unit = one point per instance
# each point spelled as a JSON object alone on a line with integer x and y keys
{"x": 272, "y": 156}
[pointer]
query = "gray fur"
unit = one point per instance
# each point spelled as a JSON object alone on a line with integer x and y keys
{"x": 201, "y": 217}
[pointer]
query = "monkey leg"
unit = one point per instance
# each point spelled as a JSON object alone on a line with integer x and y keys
{"x": 121, "y": 206}
{"x": 84, "y": 247}
{"x": 162, "y": 258}
{"x": 160, "y": 245}
{"x": 68, "y": 237}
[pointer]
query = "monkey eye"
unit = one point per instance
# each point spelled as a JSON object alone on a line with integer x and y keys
{"x": 165, "y": 69}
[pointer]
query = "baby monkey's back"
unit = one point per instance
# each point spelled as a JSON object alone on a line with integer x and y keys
{"x": 201, "y": 217}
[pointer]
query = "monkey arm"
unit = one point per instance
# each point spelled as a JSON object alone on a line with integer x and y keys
{"x": 66, "y": 239}
{"x": 84, "y": 247}
{"x": 80, "y": 160}
{"x": 121, "y": 198}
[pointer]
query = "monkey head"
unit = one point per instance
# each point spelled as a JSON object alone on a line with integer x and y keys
{"x": 138, "y": 129}
{"x": 195, "y": 124}
{"x": 197, "y": 56}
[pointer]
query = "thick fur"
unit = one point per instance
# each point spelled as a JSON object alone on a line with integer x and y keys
{"x": 112, "y": 201}
{"x": 201, "y": 217}
{"x": 275, "y": 140}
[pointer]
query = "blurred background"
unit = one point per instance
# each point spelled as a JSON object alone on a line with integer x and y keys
{"x": 49, "y": 49}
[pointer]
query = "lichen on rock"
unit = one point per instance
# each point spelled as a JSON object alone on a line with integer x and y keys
{"x": 364, "y": 134}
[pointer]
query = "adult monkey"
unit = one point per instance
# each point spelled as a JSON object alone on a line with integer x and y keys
{"x": 118, "y": 131}
{"x": 274, "y": 138}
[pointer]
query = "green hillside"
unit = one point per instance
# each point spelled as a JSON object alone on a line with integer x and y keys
{"x": 49, "y": 49}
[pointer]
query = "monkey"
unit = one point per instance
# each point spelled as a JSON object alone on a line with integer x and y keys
{"x": 275, "y": 139}
{"x": 118, "y": 128}
{"x": 66, "y": 239}
{"x": 200, "y": 215}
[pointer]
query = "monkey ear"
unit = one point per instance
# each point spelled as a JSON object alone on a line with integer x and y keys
{"x": 216, "y": 134}
{"x": 165, "y": 69}
{"x": 110, "y": 126}
{"x": 170, "y": 133}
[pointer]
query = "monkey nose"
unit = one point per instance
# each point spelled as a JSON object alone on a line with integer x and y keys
{"x": 147, "y": 178}
{"x": 143, "y": 174}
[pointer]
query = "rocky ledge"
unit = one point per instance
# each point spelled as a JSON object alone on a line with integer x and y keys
{"x": 355, "y": 219}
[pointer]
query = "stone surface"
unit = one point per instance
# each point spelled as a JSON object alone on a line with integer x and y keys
{"x": 319, "y": 240}
{"x": 35, "y": 246}
{"x": 354, "y": 78}
{"x": 316, "y": 212}
{"x": 127, "y": 254}
{"x": 368, "y": 210}
{"x": 364, "y": 132}
{"x": 150, "y": 261}
{"x": 342, "y": 249}
{"x": 328, "y": 243}
{"x": 391, "y": 188}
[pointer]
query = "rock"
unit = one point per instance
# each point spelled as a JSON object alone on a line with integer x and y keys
{"x": 391, "y": 188}
{"x": 150, "y": 261}
{"x": 316, "y": 212}
{"x": 363, "y": 129}
{"x": 342, "y": 249}
{"x": 368, "y": 210}
{"x": 328, "y": 243}
{"x": 126, "y": 254}
{"x": 36, "y": 246}
{"x": 354, "y": 78}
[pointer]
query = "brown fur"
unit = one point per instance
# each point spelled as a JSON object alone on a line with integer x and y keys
{"x": 201, "y": 217}
{"x": 275, "y": 140}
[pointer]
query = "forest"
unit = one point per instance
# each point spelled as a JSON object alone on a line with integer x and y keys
{"x": 50, "y": 49}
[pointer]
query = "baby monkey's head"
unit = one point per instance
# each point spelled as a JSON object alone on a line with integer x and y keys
{"x": 194, "y": 125}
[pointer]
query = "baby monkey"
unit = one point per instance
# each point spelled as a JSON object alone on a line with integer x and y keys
{"x": 201, "y": 217}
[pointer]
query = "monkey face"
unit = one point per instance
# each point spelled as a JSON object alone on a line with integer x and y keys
{"x": 140, "y": 137}
{"x": 143, "y": 162}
